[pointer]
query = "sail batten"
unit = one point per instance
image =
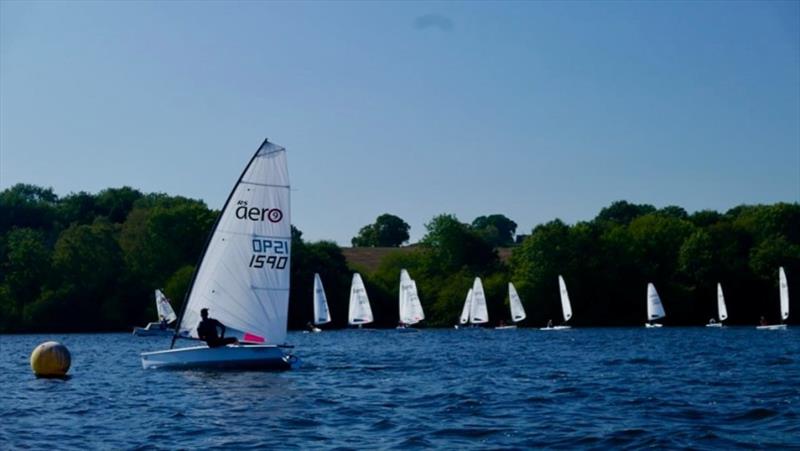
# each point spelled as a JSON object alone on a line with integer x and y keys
{"x": 243, "y": 277}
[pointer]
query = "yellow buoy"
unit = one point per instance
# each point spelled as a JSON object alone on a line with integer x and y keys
{"x": 50, "y": 359}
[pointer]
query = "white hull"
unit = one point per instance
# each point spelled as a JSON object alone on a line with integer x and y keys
{"x": 555, "y": 328}
{"x": 505, "y": 327}
{"x": 232, "y": 357}
{"x": 714, "y": 325}
{"x": 144, "y": 332}
{"x": 772, "y": 327}
{"x": 654, "y": 325}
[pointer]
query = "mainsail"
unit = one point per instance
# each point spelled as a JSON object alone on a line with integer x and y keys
{"x": 321, "y": 313}
{"x": 478, "y": 312}
{"x": 164, "y": 308}
{"x": 243, "y": 277}
{"x": 360, "y": 311}
{"x": 654, "y": 308}
{"x": 467, "y": 308}
{"x": 784, "y": 288}
{"x": 721, "y": 309}
{"x": 566, "y": 308}
{"x": 517, "y": 311}
{"x": 410, "y": 306}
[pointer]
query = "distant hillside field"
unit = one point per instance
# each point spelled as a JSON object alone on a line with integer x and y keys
{"x": 370, "y": 257}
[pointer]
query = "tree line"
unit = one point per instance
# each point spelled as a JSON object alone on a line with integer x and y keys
{"x": 90, "y": 262}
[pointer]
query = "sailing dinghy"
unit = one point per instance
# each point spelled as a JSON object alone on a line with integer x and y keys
{"x": 243, "y": 275}
{"x": 410, "y": 307}
{"x": 515, "y": 304}
{"x": 784, "y": 292}
{"x": 465, "y": 311}
{"x": 166, "y": 316}
{"x": 478, "y": 313}
{"x": 655, "y": 310}
{"x": 566, "y": 307}
{"x": 722, "y": 311}
{"x": 360, "y": 312}
{"x": 321, "y": 313}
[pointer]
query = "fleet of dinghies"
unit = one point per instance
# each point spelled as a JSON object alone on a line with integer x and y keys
{"x": 243, "y": 280}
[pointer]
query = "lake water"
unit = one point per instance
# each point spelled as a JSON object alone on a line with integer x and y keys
{"x": 476, "y": 389}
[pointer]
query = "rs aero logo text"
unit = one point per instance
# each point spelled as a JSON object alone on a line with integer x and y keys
{"x": 243, "y": 211}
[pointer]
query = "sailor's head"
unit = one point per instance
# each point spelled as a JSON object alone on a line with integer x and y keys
{"x": 204, "y": 313}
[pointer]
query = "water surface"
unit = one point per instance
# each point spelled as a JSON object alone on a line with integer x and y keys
{"x": 475, "y": 389}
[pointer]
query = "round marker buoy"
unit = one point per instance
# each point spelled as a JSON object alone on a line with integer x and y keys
{"x": 50, "y": 359}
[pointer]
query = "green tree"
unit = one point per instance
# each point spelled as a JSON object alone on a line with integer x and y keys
{"x": 497, "y": 230}
{"x": 387, "y": 231}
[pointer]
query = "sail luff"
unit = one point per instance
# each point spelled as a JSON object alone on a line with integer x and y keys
{"x": 721, "y": 309}
{"x": 566, "y": 307}
{"x": 321, "y": 313}
{"x": 784, "y": 290}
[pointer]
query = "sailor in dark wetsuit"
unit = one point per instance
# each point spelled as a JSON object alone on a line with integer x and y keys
{"x": 207, "y": 331}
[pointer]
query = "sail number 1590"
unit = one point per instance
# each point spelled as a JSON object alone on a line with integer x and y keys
{"x": 269, "y": 254}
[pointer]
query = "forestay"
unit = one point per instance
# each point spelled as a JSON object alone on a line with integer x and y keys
{"x": 164, "y": 308}
{"x": 517, "y": 311}
{"x": 321, "y": 313}
{"x": 566, "y": 307}
{"x": 478, "y": 311}
{"x": 654, "y": 308}
{"x": 243, "y": 278}
{"x": 721, "y": 309}
{"x": 467, "y": 308}
{"x": 784, "y": 288}
{"x": 360, "y": 311}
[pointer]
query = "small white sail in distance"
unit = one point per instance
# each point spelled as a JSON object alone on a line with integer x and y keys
{"x": 416, "y": 306}
{"x": 517, "y": 311}
{"x": 467, "y": 308}
{"x": 478, "y": 312}
{"x": 321, "y": 313}
{"x": 566, "y": 308}
{"x": 164, "y": 308}
{"x": 410, "y": 306}
{"x": 360, "y": 311}
{"x": 722, "y": 311}
{"x": 784, "y": 289}
{"x": 654, "y": 308}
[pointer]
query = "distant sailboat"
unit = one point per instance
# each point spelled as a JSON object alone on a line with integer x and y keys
{"x": 478, "y": 311}
{"x": 515, "y": 304}
{"x": 722, "y": 311}
{"x": 655, "y": 310}
{"x": 243, "y": 275}
{"x": 165, "y": 315}
{"x": 360, "y": 312}
{"x": 410, "y": 307}
{"x": 321, "y": 313}
{"x": 784, "y": 292}
{"x": 465, "y": 311}
{"x": 566, "y": 307}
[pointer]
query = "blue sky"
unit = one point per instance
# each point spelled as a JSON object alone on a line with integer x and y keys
{"x": 535, "y": 110}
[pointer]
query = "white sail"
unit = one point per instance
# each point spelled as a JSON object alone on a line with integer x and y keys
{"x": 467, "y": 308}
{"x": 164, "y": 308}
{"x": 784, "y": 287}
{"x": 417, "y": 314}
{"x": 721, "y": 309}
{"x": 360, "y": 311}
{"x": 243, "y": 278}
{"x": 321, "y": 313}
{"x": 565, "y": 305}
{"x": 517, "y": 311}
{"x": 478, "y": 311}
{"x": 654, "y": 308}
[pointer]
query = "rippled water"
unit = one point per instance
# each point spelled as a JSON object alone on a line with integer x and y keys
{"x": 478, "y": 389}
